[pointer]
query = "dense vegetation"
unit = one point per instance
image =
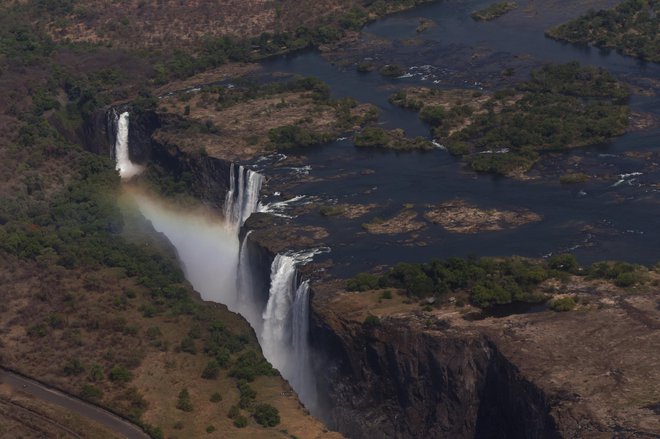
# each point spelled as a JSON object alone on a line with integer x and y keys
{"x": 493, "y": 11}
{"x": 632, "y": 27}
{"x": 376, "y": 137}
{"x": 101, "y": 296}
{"x": 493, "y": 281}
{"x": 562, "y": 106}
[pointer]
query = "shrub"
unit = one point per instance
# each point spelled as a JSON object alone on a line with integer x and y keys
{"x": 371, "y": 321}
{"x": 387, "y": 294}
{"x": 563, "y": 304}
{"x": 626, "y": 279}
{"x": 211, "y": 370}
{"x": 91, "y": 392}
{"x": 266, "y": 415}
{"x": 39, "y": 330}
{"x": 293, "y": 136}
{"x": 210, "y": 429}
{"x": 96, "y": 373}
{"x": 183, "y": 402}
{"x": 371, "y": 137}
{"x": 153, "y": 332}
{"x": 73, "y": 367}
{"x": 250, "y": 365}
{"x": 247, "y": 394}
{"x": 188, "y": 345}
{"x": 432, "y": 114}
{"x": 233, "y": 412}
{"x": 363, "y": 282}
{"x": 215, "y": 397}
{"x": 564, "y": 262}
{"x": 240, "y": 421}
{"x": 120, "y": 374}
{"x": 56, "y": 321}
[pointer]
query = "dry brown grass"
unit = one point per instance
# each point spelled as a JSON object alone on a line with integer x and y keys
{"x": 458, "y": 216}
{"x": 102, "y": 325}
{"x": 173, "y": 23}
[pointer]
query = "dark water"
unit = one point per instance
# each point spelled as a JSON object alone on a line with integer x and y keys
{"x": 609, "y": 218}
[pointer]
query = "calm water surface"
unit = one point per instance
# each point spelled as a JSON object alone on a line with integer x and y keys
{"x": 613, "y": 218}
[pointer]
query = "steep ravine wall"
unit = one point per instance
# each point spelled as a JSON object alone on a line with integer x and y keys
{"x": 404, "y": 379}
{"x": 209, "y": 176}
{"x": 400, "y": 379}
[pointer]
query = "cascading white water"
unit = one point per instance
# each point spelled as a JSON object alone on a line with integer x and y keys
{"x": 219, "y": 268}
{"x": 276, "y": 316}
{"x": 284, "y": 337}
{"x": 126, "y": 168}
{"x": 302, "y": 378}
{"x": 242, "y": 198}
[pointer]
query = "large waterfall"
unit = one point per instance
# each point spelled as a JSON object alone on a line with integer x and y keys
{"x": 285, "y": 334}
{"x": 126, "y": 168}
{"x": 219, "y": 267}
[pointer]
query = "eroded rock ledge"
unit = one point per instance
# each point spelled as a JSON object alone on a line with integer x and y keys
{"x": 408, "y": 373}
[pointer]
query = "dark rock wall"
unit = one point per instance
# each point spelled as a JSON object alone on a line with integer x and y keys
{"x": 406, "y": 381}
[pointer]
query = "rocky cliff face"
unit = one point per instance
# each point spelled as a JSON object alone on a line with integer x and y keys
{"x": 209, "y": 176}
{"x": 414, "y": 377}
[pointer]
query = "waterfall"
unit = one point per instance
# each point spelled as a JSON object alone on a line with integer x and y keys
{"x": 243, "y": 195}
{"x": 303, "y": 376}
{"x": 284, "y": 337}
{"x": 247, "y": 297}
{"x": 126, "y": 168}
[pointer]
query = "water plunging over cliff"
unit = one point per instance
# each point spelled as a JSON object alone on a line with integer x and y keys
{"x": 243, "y": 195}
{"x": 284, "y": 338}
{"x": 220, "y": 268}
{"x": 126, "y": 168}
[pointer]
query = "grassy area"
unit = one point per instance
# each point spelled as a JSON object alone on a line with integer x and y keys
{"x": 493, "y": 11}
{"x": 561, "y": 107}
{"x": 632, "y": 27}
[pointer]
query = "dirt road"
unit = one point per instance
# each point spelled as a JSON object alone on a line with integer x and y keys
{"x": 77, "y": 406}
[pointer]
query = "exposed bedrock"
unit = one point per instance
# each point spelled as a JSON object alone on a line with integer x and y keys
{"x": 404, "y": 379}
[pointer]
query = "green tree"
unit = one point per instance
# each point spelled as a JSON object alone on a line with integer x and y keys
{"x": 266, "y": 415}
{"x": 183, "y": 402}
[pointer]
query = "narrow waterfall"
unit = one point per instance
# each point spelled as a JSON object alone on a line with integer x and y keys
{"x": 303, "y": 379}
{"x": 243, "y": 195}
{"x": 247, "y": 296}
{"x": 126, "y": 168}
{"x": 284, "y": 338}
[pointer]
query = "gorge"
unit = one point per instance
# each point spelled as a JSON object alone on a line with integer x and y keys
{"x": 327, "y": 220}
{"x": 217, "y": 264}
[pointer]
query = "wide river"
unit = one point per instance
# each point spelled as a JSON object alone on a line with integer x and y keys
{"x": 612, "y": 217}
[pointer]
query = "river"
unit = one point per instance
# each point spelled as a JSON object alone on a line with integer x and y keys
{"x": 613, "y": 217}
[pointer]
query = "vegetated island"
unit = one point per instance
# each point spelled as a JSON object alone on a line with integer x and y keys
{"x": 632, "y": 27}
{"x": 493, "y": 11}
{"x": 489, "y": 282}
{"x": 561, "y": 107}
{"x": 220, "y": 121}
